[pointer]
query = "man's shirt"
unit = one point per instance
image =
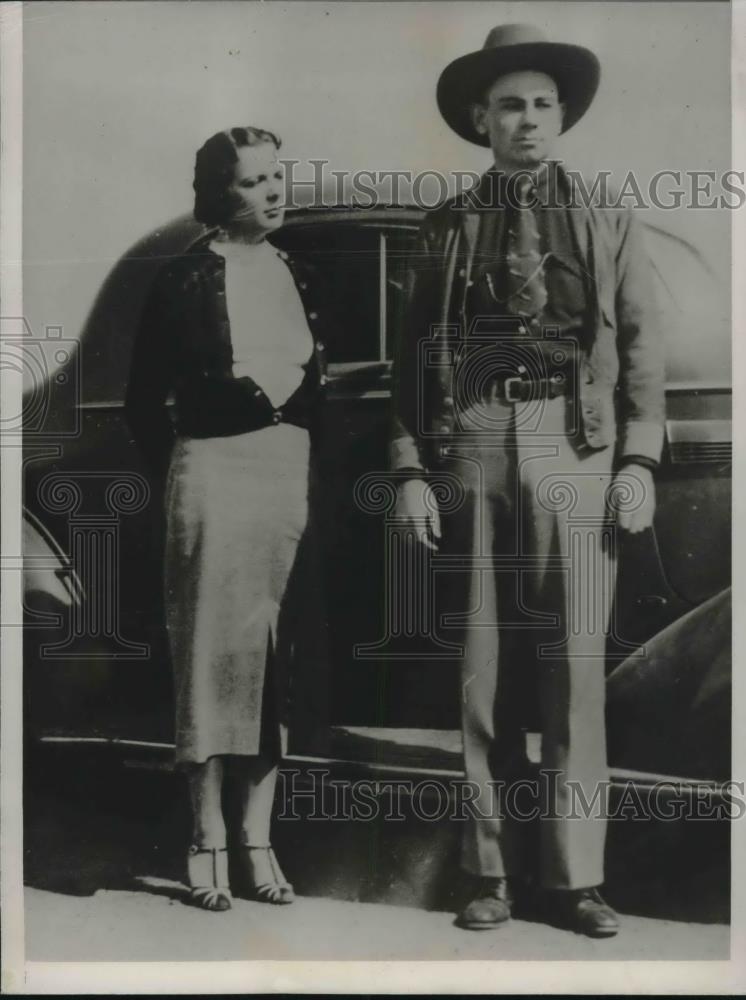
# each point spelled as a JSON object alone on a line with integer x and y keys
{"x": 565, "y": 277}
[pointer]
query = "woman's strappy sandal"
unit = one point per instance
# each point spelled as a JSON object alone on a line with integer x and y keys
{"x": 208, "y": 878}
{"x": 277, "y": 891}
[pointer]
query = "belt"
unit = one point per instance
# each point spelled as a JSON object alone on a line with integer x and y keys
{"x": 519, "y": 389}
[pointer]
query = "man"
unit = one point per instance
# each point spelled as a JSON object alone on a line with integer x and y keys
{"x": 530, "y": 377}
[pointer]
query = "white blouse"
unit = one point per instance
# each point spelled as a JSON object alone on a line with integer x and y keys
{"x": 269, "y": 331}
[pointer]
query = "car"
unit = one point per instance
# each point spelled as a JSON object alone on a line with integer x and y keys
{"x": 96, "y": 660}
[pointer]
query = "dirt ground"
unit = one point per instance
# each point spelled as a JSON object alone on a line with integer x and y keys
{"x": 148, "y": 925}
{"x": 104, "y": 868}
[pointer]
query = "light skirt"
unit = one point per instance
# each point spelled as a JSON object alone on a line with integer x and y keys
{"x": 236, "y": 510}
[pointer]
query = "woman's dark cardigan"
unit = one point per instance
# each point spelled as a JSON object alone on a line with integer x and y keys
{"x": 183, "y": 348}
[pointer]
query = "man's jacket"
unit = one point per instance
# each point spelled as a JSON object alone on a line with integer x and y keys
{"x": 621, "y": 373}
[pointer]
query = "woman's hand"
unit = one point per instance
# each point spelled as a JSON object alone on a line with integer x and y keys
{"x": 417, "y": 511}
{"x": 633, "y": 498}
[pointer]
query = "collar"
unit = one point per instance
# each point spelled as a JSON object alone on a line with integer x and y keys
{"x": 202, "y": 246}
{"x": 496, "y": 189}
{"x": 236, "y": 250}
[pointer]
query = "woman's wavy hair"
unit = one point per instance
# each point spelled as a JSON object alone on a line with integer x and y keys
{"x": 213, "y": 172}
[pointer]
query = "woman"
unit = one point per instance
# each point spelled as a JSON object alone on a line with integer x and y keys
{"x": 226, "y": 330}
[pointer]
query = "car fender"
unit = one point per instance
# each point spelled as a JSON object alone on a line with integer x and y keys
{"x": 669, "y": 703}
{"x": 47, "y": 569}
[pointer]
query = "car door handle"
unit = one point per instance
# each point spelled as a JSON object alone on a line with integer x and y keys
{"x": 652, "y": 601}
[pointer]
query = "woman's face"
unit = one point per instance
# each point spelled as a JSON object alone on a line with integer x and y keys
{"x": 258, "y": 188}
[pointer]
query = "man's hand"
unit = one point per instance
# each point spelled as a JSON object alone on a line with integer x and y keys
{"x": 417, "y": 510}
{"x": 633, "y": 498}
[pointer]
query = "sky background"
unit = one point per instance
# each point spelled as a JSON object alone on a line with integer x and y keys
{"x": 118, "y": 97}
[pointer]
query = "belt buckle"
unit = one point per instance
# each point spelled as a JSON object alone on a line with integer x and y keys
{"x": 507, "y": 389}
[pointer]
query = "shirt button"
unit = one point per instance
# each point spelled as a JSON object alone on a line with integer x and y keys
{"x": 258, "y": 392}
{"x": 277, "y": 416}
{"x": 303, "y": 285}
{"x": 313, "y": 315}
{"x": 323, "y": 380}
{"x": 319, "y": 346}
{"x": 462, "y": 272}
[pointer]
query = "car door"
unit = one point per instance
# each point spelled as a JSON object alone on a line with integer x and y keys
{"x": 378, "y": 675}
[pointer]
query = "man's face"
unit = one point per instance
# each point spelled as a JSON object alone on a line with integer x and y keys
{"x": 522, "y": 116}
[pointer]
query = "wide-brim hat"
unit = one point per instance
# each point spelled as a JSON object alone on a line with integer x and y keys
{"x": 510, "y": 48}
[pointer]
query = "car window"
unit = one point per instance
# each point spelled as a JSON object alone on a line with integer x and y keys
{"x": 398, "y": 245}
{"x": 363, "y": 267}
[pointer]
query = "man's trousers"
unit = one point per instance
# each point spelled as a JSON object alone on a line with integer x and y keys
{"x": 529, "y": 592}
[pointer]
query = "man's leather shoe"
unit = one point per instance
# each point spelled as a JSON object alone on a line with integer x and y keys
{"x": 489, "y": 908}
{"x": 585, "y": 911}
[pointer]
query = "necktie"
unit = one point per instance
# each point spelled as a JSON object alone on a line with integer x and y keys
{"x": 525, "y": 285}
